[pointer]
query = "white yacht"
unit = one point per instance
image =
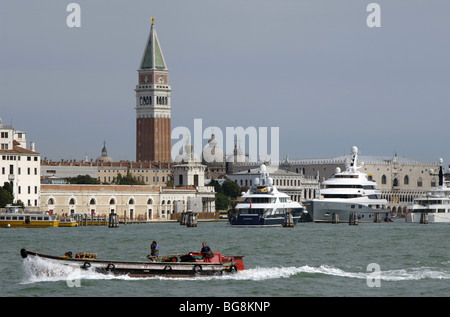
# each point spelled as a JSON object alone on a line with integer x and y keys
{"x": 434, "y": 207}
{"x": 264, "y": 205}
{"x": 348, "y": 192}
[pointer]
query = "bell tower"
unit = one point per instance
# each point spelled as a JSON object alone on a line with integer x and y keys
{"x": 153, "y": 108}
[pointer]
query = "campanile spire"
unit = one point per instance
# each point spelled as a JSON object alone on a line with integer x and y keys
{"x": 153, "y": 104}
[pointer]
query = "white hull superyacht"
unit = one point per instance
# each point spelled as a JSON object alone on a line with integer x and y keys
{"x": 347, "y": 193}
{"x": 434, "y": 207}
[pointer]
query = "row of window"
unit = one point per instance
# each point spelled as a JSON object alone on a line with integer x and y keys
{"x": 17, "y": 158}
{"x": 277, "y": 182}
{"x": 108, "y": 179}
{"x": 112, "y": 201}
{"x": 19, "y": 189}
{"x": 19, "y": 170}
{"x": 22, "y": 218}
{"x": 133, "y": 171}
{"x": 149, "y": 100}
{"x": 350, "y": 186}
{"x": 396, "y": 181}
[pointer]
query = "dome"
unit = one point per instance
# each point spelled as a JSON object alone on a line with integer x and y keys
{"x": 187, "y": 154}
{"x": 212, "y": 153}
{"x": 104, "y": 157}
{"x": 238, "y": 156}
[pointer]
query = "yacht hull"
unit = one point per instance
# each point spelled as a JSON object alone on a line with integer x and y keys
{"x": 432, "y": 217}
{"x": 256, "y": 220}
{"x": 329, "y": 211}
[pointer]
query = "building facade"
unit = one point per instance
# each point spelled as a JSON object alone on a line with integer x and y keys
{"x": 148, "y": 173}
{"x": 153, "y": 104}
{"x": 136, "y": 202}
{"x": 20, "y": 166}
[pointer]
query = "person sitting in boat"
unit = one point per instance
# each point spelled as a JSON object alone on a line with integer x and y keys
{"x": 206, "y": 251}
{"x": 68, "y": 255}
{"x": 154, "y": 250}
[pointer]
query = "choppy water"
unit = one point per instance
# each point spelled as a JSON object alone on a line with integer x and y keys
{"x": 308, "y": 260}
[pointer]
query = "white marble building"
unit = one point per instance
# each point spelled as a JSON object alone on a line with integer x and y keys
{"x": 19, "y": 166}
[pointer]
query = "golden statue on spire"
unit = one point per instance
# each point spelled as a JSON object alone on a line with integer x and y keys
{"x": 153, "y": 20}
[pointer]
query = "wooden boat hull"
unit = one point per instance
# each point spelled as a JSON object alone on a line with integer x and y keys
{"x": 145, "y": 269}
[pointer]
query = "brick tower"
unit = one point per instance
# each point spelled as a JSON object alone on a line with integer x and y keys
{"x": 153, "y": 133}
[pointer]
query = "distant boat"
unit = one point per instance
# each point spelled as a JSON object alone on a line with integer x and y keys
{"x": 348, "y": 192}
{"x": 264, "y": 205}
{"x": 13, "y": 217}
{"x": 434, "y": 207}
{"x": 67, "y": 222}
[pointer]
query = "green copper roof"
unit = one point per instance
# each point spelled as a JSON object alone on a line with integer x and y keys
{"x": 153, "y": 57}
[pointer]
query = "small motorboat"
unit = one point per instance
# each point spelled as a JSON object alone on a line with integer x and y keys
{"x": 67, "y": 222}
{"x": 179, "y": 265}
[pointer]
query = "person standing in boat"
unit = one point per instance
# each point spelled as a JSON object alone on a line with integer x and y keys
{"x": 207, "y": 252}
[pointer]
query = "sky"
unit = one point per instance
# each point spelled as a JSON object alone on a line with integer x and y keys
{"x": 314, "y": 69}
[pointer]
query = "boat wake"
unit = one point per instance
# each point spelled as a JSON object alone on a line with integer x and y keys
{"x": 326, "y": 270}
{"x": 38, "y": 270}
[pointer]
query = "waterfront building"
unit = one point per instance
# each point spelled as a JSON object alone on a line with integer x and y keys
{"x": 153, "y": 104}
{"x": 19, "y": 166}
{"x": 136, "y": 202}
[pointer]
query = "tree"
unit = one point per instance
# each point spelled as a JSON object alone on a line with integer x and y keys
{"x": 217, "y": 186}
{"x": 6, "y": 195}
{"x": 127, "y": 180}
{"x": 231, "y": 189}
{"x": 221, "y": 202}
{"x": 82, "y": 179}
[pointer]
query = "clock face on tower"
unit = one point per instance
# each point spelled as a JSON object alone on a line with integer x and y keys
{"x": 161, "y": 79}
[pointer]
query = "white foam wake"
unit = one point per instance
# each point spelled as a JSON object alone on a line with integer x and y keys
{"x": 388, "y": 275}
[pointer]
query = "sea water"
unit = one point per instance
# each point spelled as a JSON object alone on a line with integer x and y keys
{"x": 371, "y": 259}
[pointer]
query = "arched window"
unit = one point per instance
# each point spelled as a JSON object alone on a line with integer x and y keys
{"x": 419, "y": 182}
{"x": 131, "y": 201}
{"x": 433, "y": 182}
{"x": 149, "y": 201}
{"x": 92, "y": 201}
{"x": 406, "y": 180}
{"x": 72, "y": 201}
{"x": 51, "y": 201}
{"x": 396, "y": 182}
{"x": 383, "y": 179}
{"x": 112, "y": 201}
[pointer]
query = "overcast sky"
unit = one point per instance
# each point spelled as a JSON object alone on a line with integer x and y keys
{"x": 312, "y": 68}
